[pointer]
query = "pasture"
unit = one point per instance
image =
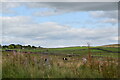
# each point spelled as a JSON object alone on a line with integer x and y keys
{"x": 50, "y": 63}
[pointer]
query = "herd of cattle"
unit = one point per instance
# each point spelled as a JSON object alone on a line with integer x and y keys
{"x": 84, "y": 59}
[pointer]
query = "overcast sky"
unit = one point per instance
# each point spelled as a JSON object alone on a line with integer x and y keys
{"x": 59, "y": 24}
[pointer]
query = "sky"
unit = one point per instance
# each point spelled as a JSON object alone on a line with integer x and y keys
{"x": 59, "y": 24}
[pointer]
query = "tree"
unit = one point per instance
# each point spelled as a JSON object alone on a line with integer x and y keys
{"x": 18, "y": 46}
{"x": 5, "y": 47}
{"x": 28, "y": 46}
{"x": 39, "y": 47}
{"x": 11, "y": 46}
{"x": 33, "y": 47}
{"x": 23, "y": 47}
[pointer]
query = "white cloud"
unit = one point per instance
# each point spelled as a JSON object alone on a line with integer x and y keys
{"x": 97, "y": 10}
{"x": 106, "y": 16}
{"x": 112, "y": 21}
{"x": 115, "y": 38}
{"x": 6, "y": 7}
{"x": 49, "y": 34}
{"x": 23, "y": 29}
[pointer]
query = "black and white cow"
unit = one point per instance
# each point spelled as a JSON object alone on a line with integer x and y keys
{"x": 65, "y": 59}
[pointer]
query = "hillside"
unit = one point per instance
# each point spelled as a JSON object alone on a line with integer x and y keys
{"x": 111, "y": 45}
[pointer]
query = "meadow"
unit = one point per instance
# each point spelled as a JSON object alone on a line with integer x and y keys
{"x": 49, "y": 63}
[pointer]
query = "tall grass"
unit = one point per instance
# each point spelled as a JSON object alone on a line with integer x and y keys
{"x": 20, "y": 65}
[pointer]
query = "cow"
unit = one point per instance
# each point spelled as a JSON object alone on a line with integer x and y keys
{"x": 45, "y": 59}
{"x": 84, "y": 60}
{"x": 65, "y": 59}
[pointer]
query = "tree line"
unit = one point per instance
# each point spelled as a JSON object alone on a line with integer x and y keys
{"x": 18, "y": 46}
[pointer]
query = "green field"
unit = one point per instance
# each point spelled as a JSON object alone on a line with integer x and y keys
{"x": 30, "y": 63}
{"x": 74, "y": 50}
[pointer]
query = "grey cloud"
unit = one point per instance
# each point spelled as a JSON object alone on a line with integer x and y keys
{"x": 60, "y": 0}
{"x": 62, "y": 7}
{"x": 84, "y": 6}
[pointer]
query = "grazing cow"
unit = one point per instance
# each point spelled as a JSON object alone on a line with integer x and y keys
{"x": 69, "y": 56}
{"x": 65, "y": 59}
{"x": 25, "y": 52}
{"x": 47, "y": 62}
{"x": 84, "y": 60}
{"x": 45, "y": 59}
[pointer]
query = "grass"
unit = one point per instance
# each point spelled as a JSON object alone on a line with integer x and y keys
{"x": 21, "y": 65}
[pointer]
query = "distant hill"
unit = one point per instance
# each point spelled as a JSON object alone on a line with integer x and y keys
{"x": 111, "y": 45}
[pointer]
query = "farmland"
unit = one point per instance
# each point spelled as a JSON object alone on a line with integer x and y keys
{"x": 49, "y": 62}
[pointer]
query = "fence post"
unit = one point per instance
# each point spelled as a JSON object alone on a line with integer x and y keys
{"x": 89, "y": 54}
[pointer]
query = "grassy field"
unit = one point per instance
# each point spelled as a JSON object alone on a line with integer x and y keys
{"x": 31, "y": 63}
